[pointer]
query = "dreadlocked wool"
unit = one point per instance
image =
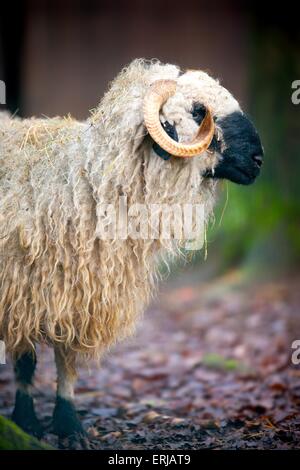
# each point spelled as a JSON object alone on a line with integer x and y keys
{"x": 59, "y": 281}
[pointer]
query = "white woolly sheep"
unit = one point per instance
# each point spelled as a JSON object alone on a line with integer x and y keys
{"x": 60, "y": 282}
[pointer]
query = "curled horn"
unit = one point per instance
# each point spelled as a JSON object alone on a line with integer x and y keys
{"x": 159, "y": 92}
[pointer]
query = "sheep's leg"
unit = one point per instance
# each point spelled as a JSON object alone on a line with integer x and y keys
{"x": 24, "y": 414}
{"x": 65, "y": 419}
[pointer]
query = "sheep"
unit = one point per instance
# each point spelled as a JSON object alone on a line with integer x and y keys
{"x": 61, "y": 282}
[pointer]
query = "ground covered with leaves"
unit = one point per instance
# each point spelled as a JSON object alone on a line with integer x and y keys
{"x": 210, "y": 367}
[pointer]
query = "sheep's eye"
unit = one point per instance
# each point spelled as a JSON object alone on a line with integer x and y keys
{"x": 198, "y": 112}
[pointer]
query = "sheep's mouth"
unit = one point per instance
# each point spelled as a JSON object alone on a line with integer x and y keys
{"x": 235, "y": 174}
{"x": 241, "y": 176}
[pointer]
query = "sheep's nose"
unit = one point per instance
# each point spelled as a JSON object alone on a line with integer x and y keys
{"x": 258, "y": 160}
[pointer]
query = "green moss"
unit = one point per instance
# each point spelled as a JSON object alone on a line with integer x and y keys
{"x": 215, "y": 361}
{"x": 13, "y": 438}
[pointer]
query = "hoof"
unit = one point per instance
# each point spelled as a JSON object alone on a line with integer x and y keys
{"x": 66, "y": 423}
{"x": 24, "y": 415}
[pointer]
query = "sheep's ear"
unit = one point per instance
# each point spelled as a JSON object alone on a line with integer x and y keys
{"x": 172, "y": 132}
{"x": 198, "y": 112}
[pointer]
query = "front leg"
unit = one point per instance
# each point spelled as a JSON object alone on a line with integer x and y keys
{"x": 65, "y": 419}
{"x": 24, "y": 414}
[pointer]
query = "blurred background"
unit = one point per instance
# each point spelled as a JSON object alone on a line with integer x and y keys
{"x": 57, "y": 57}
{"x": 216, "y": 346}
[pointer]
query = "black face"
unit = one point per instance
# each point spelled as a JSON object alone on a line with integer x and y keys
{"x": 242, "y": 157}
